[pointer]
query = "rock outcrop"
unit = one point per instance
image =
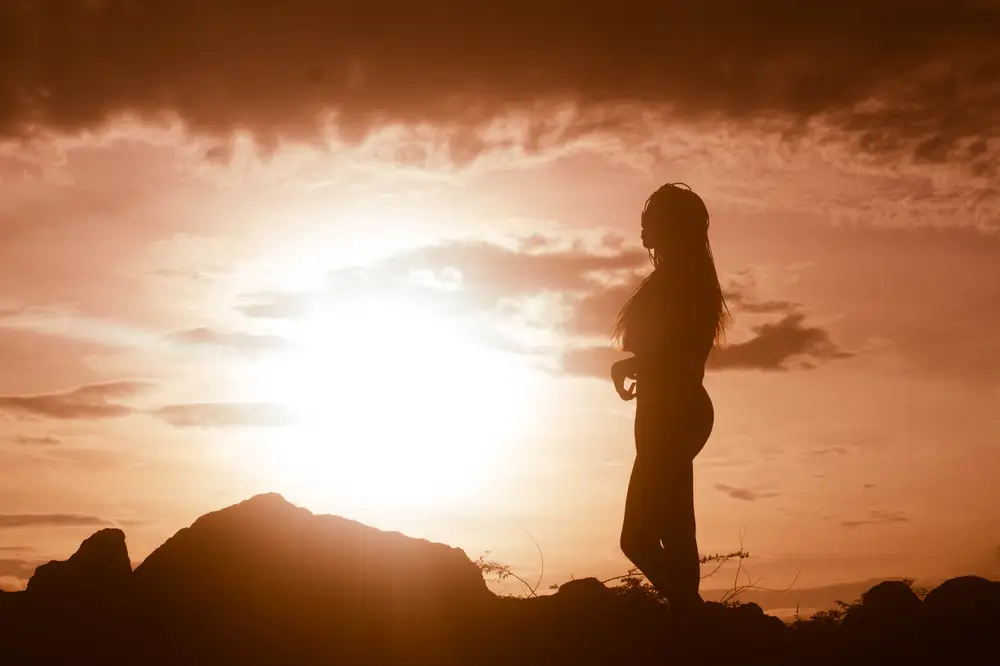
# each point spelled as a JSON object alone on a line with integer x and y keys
{"x": 304, "y": 580}
{"x": 100, "y": 566}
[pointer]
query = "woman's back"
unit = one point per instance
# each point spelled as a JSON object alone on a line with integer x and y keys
{"x": 671, "y": 323}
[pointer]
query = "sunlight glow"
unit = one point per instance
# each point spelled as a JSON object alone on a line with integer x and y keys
{"x": 400, "y": 406}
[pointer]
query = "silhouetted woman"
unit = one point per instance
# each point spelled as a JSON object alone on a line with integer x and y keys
{"x": 670, "y": 325}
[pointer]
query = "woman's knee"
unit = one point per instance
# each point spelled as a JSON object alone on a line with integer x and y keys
{"x": 635, "y": 546}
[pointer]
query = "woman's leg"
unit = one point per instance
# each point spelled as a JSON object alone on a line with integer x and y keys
{"x": 677, "y": 532}
{"x": 659, "y": 530}
{"x": 677, "y": 529}
{"x": 640, "y": 538}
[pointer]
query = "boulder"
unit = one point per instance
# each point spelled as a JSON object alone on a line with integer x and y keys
{"x": 265, "y": 577}
{"x": 584, "y": 587}
{"x": 964, "y": 599}
{"x": 99, "y": 567}
{"x": 886, "y": 627}
{"x": 732, "y": 630}
{"x": 889, "y": 606}
{"x": 963, "y": 616}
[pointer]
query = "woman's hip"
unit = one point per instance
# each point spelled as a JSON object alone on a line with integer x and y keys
{"x": 677, "y": 424}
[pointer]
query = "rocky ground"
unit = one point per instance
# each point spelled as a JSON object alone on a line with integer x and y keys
{"x": 265, "y": 582}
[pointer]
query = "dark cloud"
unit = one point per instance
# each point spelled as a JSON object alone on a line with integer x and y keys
{"x": 917, "y": 74}
{"x": 12, "y": 520}
{"x": 745, "y": 494}
{"x": 239, "y": 341}
{"x": 224, "y": 414}
{"x": 877, "y": 517}
{"x": 595, "y": 313}
{"x": 92, "y": 401}
{"x": 775, "y": 345}
{"x": 29, "y": 440}
{"x": 738, "y": 298}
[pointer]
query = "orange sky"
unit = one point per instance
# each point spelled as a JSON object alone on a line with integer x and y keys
{"x": 370, "y": 262}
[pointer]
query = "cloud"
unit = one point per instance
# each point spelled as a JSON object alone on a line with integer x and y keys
{"x": 239, "y": 341}
{"x": 590, "y": 282}
{"x": 14, "y": 520}
{"x": 91, "y": 401}
{"x": 29, "y": 440}
{"x": 918, "y": 76}
{"x": 17, "y": 569}
{"x": 495, "y": 271}
{"x": 738, "y": 299}
{"x": 223, "y": 415}
{"x": 279, "y": 305}
{"x": 838, "y": 450}
{"x": 473, "y": 273}
{"x": 877, "y": 517}
{"x": 831, "y": 450}
{"x": 745, "y": 494}
{"x": 776, "y": 344}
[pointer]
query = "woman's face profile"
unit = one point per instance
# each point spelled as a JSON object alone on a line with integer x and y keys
{"x": 652, "y": 232}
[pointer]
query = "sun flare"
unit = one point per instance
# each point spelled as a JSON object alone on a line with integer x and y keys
{"x": 399, "y": 404}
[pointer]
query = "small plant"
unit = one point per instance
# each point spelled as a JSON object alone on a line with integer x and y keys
{"x": 501, "y": 572}
{"x": 634, "y": 582}
{"x": 921, "y": 592}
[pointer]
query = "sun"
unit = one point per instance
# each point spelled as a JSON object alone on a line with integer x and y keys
{"x": 400, "y": 405}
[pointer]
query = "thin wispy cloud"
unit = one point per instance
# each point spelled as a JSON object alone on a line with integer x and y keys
{"x": 16, "y": 520}
{"x": 745, "y": 494}
{"x": 235, "y": 340}
{"x": 876, "y": 517}
{"x": 225, "y": 415}
{"x": 36, "y": 440}
{"x": 92, "y": 401}
{"x": 71, "y": 324}
{"x": 831, "y": 450}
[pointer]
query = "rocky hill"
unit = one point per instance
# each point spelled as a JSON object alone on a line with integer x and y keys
{"x": 265, "y": 582}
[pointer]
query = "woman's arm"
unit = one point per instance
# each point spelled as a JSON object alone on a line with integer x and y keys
{"x": 622, "y": 370}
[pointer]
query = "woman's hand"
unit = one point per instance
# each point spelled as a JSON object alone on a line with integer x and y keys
{"x": 620, "y": 371}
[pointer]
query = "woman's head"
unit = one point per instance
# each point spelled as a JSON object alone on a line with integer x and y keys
{"x": 674, "y": 229}
{"x": 674, "y": 222}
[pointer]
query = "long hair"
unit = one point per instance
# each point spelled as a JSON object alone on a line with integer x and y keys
{"x": 677, "y": 204}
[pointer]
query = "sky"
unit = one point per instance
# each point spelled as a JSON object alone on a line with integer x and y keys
{"x": 369, "y": 258}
